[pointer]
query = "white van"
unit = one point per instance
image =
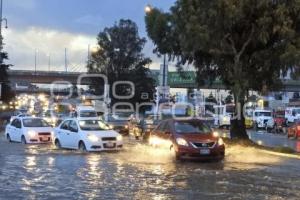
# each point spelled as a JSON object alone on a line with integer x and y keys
{"x": 222, "y": 115}
{"x": 292, "y": 114}
{"x": 86, "y": 112}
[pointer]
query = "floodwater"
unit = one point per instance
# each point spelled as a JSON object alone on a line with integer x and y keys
{"x": 143, "y": 172}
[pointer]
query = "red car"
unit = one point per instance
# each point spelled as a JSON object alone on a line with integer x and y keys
{"x": 294, "y": 130}
{"x": 190, "y": 139}
{"x": 279, "y": 121}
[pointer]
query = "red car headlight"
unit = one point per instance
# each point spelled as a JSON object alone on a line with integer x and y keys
{"x": 220, "y": 142}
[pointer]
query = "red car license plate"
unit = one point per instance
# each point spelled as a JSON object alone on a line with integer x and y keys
{"x": 204, "y": 151}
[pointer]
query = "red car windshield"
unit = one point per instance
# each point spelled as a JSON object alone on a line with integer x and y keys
{"x": 189, "y": 127}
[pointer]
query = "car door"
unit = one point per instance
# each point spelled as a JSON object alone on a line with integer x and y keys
{"x": 62, "y": 133}
{"x": 11, "y": 130}
{"x": 73, "y": 135}
{"x": 18, "y": 130}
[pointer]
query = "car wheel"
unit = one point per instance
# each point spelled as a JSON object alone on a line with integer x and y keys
{"x": 57, "y": 144}
{"x": 82, "y": 147}
{"x": 8, "y": 138}
{"x": 23, "y": 140}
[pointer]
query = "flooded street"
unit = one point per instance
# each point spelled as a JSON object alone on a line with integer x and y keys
{"x": 143, "y": 172}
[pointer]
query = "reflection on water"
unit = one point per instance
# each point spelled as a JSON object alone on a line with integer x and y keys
{"x": 144, "y": 172}
{"x": 298, "y": 146}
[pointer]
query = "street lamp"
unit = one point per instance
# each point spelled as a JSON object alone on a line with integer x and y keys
{"x": 5, "y": 20}
{"x": 148, "y": 8}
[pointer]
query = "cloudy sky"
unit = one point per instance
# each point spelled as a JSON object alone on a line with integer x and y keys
{"x": 49, "y": 26}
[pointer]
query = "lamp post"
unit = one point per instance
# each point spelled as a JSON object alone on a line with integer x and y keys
{"x": 1, "y": 38}
{"x": 35, "y": 59}
{"x": 49, "y": 61}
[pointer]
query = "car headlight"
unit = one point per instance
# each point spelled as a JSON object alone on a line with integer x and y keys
{"x": 181, "y": 142}
{"x": 220, "y": 142}
{"x": 216, "y": 134}
{"x": 93, "y": 138}
{"x": 31, "y": 133}
{"x": 119, "y": 138}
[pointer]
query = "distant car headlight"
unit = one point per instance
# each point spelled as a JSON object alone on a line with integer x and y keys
{"x": 181, "y": 142}
{"x": 93, "y": 138}
{"x": 119, "y": 138}
{"x": 32, "y": 133}
{"x": 220, "y": 142}
{"x": 216, "y": 134}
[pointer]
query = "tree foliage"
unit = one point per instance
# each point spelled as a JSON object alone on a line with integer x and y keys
{"x": 248, "y": 44}
{"x": 6, "y": 93}
{"x": 120, "y": 58}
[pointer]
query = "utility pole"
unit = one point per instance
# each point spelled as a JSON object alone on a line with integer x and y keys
{"x": 66, "y": 61}
{"x": 49, "y": 62}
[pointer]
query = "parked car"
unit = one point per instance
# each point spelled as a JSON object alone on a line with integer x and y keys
{"x": 29, "y": 130}
{"x": 279, "y": 121}
{"x": 188, "y": 139}
{"x": 293, "y": 131}
{"x": 87, "y": 135}
{"x": 263, "y": 119}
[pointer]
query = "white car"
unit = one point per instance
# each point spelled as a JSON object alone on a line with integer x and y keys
{"x": 292, "y": 114}
{"x": 29, "y": 130}
{"x": 85, "y": 112}
{"x": 263, "y": 119}
{"x": 19, "y": 115}
{"x": 87, "y": 135}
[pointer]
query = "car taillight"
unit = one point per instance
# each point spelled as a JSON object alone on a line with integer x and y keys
{"x": 298, "y": 128}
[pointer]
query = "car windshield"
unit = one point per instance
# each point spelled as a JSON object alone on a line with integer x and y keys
{"x": 194, "y": 127}
{"x": 88, "y": 113}
{"x": 93, "y": 125}
{"x": 35, "y": 122}
{"x": 263, "y": 114}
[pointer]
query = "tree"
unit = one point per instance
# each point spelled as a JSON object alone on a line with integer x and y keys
{"x": 120, "y": 58}
{"x": 6, "y": 92}
{"x": 247, "y": 44}
{"x": 229, "y": 99}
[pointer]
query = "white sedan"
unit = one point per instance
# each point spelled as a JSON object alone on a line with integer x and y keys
{"x": 29, "y": 130}
{"x": 86, "y": 135}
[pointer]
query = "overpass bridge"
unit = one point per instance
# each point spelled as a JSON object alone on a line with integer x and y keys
{"x": 175, "y": 80}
